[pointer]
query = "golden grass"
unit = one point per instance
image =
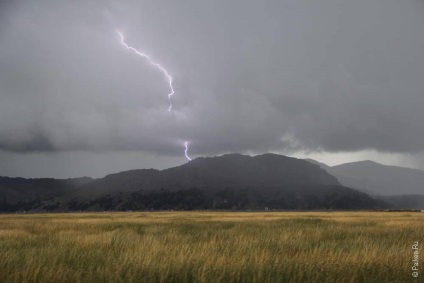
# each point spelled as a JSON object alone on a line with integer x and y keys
{"x": 209, "y": 247}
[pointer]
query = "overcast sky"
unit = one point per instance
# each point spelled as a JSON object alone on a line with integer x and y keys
{"x": 335, "y": 80}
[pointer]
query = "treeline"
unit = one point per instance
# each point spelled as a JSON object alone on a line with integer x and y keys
{"x": 228, "y": 199}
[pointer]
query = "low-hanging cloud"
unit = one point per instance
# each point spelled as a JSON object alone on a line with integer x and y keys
{"x": 266, "y": 75}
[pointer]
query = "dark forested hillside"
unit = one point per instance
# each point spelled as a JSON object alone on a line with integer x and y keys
{"x": 232, "y": 181}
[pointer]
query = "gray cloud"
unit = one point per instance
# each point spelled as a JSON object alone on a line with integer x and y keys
{"x": 253, "y": 75}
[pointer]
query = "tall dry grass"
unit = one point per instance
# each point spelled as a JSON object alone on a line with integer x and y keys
{"x": 209, "y": 247}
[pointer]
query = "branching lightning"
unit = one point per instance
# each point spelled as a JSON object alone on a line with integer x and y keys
{"x": 157, "y": 65}
{"x": 164, "y": 71}
{"x": 185, "y": 151}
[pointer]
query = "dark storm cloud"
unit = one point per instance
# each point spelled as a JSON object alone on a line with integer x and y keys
{"x": 249, "y": 75}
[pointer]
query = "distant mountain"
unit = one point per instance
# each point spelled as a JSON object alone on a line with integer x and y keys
{"x": 231, "y": 181}
{"x": 382, "y": 179}
{"x": 378, "y": 179}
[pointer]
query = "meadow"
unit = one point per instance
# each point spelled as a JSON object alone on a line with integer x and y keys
{"x": 210, "y": 247}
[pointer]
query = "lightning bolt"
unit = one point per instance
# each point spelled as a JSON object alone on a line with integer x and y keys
{"x": 163, "y": 70}
{"x": 157, "y": 65}
{"x": 185, "y": 151}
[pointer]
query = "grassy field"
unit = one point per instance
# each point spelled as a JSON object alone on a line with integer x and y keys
{"x": 210, "y": 247}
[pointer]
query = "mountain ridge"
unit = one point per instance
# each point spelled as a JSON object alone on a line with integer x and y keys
{"x": 231, "y": 181}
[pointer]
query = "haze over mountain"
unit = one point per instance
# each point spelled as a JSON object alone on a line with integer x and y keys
{"x": 15, "y": 192}
{"x": 231, "y": 181}
{"x": 376, "y": 178}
